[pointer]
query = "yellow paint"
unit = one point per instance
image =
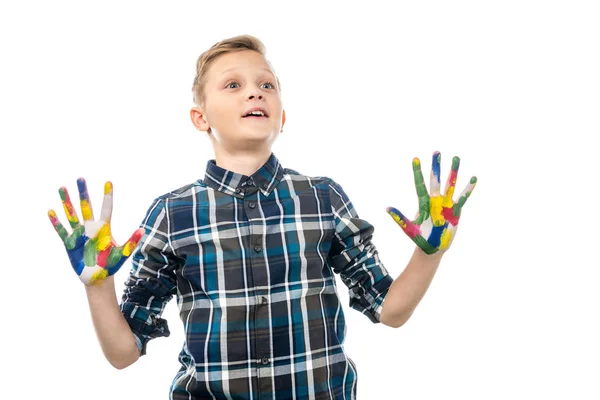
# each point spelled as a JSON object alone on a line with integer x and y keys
{"x": 104, "y": 237}
{"x": 71, "y": 216}
{"x": 86, "y": 210}
{"x": 52, "y": 214}
{"x": 128, "y": 248}
{"x": 448, "y": 202}
{"x": 397, "y": 218}
{"x": 416, "y": 162}
{"x": 435, "y": 210}
{"x": 98, "y": 277}
{"x": 108, "y": 187}
{"x": 445, "y": 239}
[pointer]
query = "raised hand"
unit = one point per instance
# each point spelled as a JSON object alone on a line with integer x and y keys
{"x": 437, "y": 219}
{"x": 91, "y": 248}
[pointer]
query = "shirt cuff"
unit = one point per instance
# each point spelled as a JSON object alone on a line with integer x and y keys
{"x": 144, "y": 325}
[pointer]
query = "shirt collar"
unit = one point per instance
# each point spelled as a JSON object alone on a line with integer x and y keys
{"x": 265, "y": 179}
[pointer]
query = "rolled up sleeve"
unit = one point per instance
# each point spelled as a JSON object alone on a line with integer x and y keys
{"x": 354, "y": 256}
{"x": 151, "y": 282}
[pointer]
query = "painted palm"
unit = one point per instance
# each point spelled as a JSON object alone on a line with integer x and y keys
{"x": 437, "y": 219}
{"x": 91, "y": 248}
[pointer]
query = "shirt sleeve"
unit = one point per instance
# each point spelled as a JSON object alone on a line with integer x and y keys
{"x": 151, "y": 282}
{"x": 354, "y": 256}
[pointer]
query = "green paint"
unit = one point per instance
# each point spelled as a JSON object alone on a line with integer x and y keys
{"x": 114, "y": 256}
{"x": 463, "y": 199}
{"x": 455, "y": 163}
{"x": 90, "y": 254}
{"x": 424, "y": 245}
{"x": 456, "y": 210}
{"x": 63, "y": 194}
{"x": 72, "y": 240}
{"x": 421, "y": 193}
{"x": 62, "y": 232}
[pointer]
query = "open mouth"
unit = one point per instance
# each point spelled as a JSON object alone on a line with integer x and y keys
{"x": 256, "y": 113}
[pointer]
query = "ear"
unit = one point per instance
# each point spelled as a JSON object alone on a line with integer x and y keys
{"x": 282, "y": 120}
{"x": 199, "y": 119}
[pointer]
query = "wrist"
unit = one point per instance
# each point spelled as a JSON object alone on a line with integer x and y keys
{"x": 427, "y": 259}
{"x": 101, "y": 286}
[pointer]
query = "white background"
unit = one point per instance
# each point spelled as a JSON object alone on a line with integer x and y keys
{"x": 102, "y": 90}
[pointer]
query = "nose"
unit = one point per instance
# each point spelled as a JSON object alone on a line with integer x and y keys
{"x": 254, "y": 92}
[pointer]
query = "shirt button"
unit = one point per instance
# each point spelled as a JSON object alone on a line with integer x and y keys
{"x": 238, "y": 190}
{"x": 264, "y": 300}
{"x": 252, "y": 205}
{"x": 265, "y": 186}
{"x": 265, "y": 360}
{"x": 257, "y": 248}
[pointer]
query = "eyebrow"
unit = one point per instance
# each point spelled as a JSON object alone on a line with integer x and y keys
{"x": 231, "y": 69}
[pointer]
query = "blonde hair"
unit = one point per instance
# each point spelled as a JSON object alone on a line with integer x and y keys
{"x": 236, "y": 43}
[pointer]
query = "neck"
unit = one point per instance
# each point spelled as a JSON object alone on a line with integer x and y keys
{"x": 242, "y": 162}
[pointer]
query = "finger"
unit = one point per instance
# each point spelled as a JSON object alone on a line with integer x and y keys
{"x": 118, "y": 255}
{"x": 434, "y": 185}
{"x": 77, "y": 238}
{"x": 421, "y": 192}
{"x": 133, "y": 241}
{"x": 412, "y": 230}
{"x": 60, "y": 229}
{"x": 84, "y": 200}
{"x": 68, "y": 207}
{"x": 107, "y": 203}
{"x": 451, "y": 183}
{"x": 466, "y": 193}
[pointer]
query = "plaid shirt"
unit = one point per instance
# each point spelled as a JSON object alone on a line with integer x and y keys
{"x": 251, "y": 260}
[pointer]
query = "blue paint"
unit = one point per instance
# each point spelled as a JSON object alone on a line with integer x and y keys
{"x": 434, "y": 238}
{"x": 113, "y": 270}
{"x": 83, "y": 192}
{"x": 435, "y": 166}
{"x": 76, "y": 254}
{"x": 397, "y": 212}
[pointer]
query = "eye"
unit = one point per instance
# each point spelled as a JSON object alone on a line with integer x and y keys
{"x": 232, "y": 85}
{"x": 267, "y": 85}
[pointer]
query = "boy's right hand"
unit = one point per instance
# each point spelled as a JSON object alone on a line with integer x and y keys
{"x": 93, "y": 253}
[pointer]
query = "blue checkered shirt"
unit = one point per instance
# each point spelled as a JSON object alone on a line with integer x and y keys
{"x": 251, "y": 261}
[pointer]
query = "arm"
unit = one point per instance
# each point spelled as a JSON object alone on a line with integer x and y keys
{"x": 433, "y": 231}
{"x": 113, "y": 331}
{"x": 354, "y": 256}
{"x": 408, "y": 289}
{"x": 95, "y": 258}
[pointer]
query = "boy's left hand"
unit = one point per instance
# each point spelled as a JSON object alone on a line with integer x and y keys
{"x": 435, "y": 225}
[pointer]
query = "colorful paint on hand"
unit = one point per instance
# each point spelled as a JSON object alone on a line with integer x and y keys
{"x": 91, "y": 249}
{"x": 435, "y": 226}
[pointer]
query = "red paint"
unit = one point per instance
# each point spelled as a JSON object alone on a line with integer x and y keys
{"x": 103, "y": 256}
{"x": 411, "y": 229}
{"x": 448, "y": 214}
{"x": 452, "y": 178}
{"x": 70, "y": 207}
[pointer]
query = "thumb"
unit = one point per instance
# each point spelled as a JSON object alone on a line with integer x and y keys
{"x": 412, "y": 230}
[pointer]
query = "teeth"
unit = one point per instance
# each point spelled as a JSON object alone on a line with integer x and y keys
{"x": 258, "y": 113}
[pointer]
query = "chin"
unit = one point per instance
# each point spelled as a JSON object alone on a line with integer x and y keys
{"x": 259, "y": 134}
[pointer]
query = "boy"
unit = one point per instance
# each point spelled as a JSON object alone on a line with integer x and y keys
{"x": 250, "y": 252}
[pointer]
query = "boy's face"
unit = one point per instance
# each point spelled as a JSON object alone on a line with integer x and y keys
{"x": 242, "y": 106}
